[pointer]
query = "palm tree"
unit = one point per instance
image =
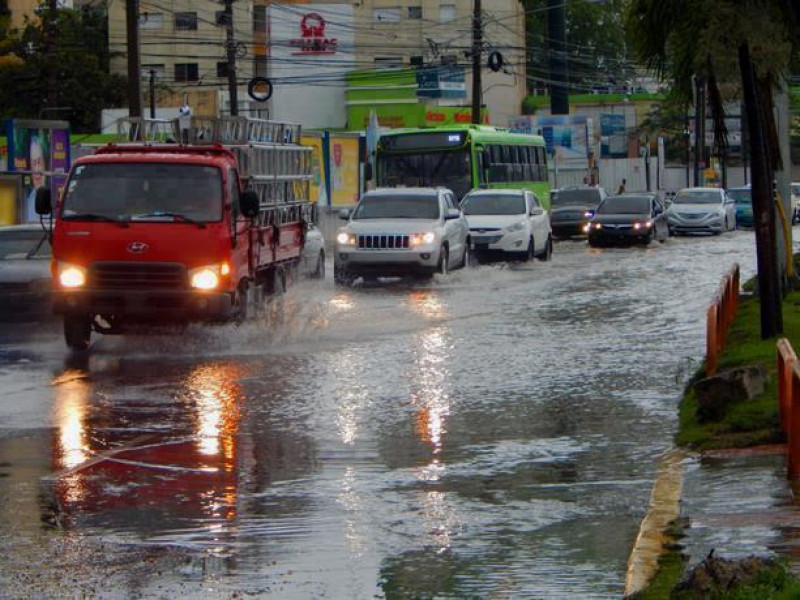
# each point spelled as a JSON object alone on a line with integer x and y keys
{"x": 744, "y": 46}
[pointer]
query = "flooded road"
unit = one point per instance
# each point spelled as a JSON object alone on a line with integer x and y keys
{"x": 494, "y": 433}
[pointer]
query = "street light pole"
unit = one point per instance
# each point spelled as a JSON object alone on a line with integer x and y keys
{"x": 134, "y": 68}
{"x": 477, "y": 43}
{"x": 152, "y": 93}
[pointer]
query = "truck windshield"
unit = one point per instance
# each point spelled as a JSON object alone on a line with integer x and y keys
{"x": 144, "y": 191}
{"x": 449, "y": 169}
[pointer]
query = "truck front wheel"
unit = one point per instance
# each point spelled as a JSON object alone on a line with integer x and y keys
{"x": 77, "y": 332}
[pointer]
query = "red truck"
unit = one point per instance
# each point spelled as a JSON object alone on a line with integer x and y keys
{"x": 171, "y": 233}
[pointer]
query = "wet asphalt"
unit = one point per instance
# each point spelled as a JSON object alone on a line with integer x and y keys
{"x": 493, "y": 433}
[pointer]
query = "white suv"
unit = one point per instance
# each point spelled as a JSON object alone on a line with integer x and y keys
{"x": 401, "y": 231}
{"x": 509, "y": 223}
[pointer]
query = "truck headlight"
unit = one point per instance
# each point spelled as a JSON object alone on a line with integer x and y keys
{"x": 71, "y": 276}
{"x": 208, "y": 277}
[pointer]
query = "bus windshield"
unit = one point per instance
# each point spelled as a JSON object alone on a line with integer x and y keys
{"x": 449, "y": 169}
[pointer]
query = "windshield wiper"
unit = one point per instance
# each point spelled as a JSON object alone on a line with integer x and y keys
{"x": 94, "y": 217}
{"x": 170, "y": 215}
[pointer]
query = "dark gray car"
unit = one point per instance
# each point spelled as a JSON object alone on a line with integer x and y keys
{"x": 569, "y": 208}
{"x": 25, "y": 285}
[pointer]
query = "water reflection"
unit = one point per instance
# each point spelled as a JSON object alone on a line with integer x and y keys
{"x": 150, "y": 461}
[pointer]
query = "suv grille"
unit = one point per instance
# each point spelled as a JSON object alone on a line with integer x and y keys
{"x": 382, "y": 242}
{"x": 137, "y": 275}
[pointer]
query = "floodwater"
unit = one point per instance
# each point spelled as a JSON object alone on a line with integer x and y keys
{"x": 493, "y": 433}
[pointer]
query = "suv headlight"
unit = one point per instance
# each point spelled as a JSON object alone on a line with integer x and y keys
{"x": 208, "y": 277}
{"x": 420, "y": 239}
{"x": 519, "y": 226}
{"x": 345, "y": 238}
{"x": 71, "y": 276}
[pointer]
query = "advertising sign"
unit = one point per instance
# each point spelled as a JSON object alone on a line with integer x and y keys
{"x": 613, "y": 136}
{"x": 318, "y": 184}
{"x": 344, "y": 170}
{"x": 567, "y": 137}
{"x": 441, "y": 81}
{"x": 311, "y": 48}
{"x": 39, "y": 151}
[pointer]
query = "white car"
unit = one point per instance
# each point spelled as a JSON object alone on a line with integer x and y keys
{"x": 702, "y": 210}
{"x": 508, "y": 222}
{"x": 401, "y": 231}
{"x": 313, "y": 257}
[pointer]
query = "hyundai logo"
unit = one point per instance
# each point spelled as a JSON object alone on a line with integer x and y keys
{"x": 137, "y": 247}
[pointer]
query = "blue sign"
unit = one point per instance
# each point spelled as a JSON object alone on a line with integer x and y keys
{"x": 613, "y": 136}
{"x": 442, "y": 81}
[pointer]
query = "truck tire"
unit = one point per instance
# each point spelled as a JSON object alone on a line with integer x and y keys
{"x": 77, "y": 332}
{"x": 341, "y": 276}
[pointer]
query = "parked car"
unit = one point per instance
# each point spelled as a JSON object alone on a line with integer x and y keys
{"x": 401, "y": 231}
{"x": 795, "y": 202}
{"x": 313, "y": 258}
{"x": 507, "y": 223}
{"x": 571, "y": 208}
{"x": 743, "y": 199}
{"x": 628, "y": 219}
{"x": 702, "y": 210}
{"x": 25, "y": 290}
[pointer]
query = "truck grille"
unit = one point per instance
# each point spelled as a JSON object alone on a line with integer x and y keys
{"x": 137, "y": 275}
{"x": 382, "y": 242}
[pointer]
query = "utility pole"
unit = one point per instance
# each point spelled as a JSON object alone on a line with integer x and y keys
{"x": 699, "y": 128}
{"x": 152, "y": 93}
{"x": 231, "y": 53}
{"x": 556, "y": 32}
{"x": 134, "y": 66}
{"x": 477, "y": 46}
{"x": 52, "y": 59}
{"x": 769, "y": 290}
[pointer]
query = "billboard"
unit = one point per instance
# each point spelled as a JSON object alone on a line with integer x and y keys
{"x": 343, "y": 163}
{"x": 312, "y": 46}
{"x": 441, "y": 81}
{"x": 39, "y": 151}
{"x": 568, "y": 134}
{"x": 613, "y": 136}
{"x": 318, "y": 184}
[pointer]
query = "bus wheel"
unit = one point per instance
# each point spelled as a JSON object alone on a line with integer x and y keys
{"x": 77, "y": 332}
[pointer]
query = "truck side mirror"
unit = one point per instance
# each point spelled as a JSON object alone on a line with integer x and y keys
{"x": 249, "y": 204}
{"x": 44, "y": 204}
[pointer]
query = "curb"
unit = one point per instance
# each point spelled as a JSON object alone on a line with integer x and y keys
{"x": 664, "y": 507}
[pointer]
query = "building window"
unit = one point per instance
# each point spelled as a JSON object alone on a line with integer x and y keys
{"x": 387, "y": 15}
{"x": 186, "y": 21}
{"x": 260, "y": 19}
{"x": 159, "y": 69}
{"x": 389, "y": 62}
{"x": 149, "y": 20}
{"x": 414, "y": 12}
{"x": 222, "y": 69}
{"x": 186, "y": 72}
{"x": 447, "y": 12}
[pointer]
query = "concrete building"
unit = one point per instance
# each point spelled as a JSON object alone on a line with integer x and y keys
{"x": 308, "y": 49}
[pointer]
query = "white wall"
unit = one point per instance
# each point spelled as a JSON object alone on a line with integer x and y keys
{"x": 308, "y": 87}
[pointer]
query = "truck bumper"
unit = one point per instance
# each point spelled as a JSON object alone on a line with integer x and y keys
{"x": 146, "y": 306}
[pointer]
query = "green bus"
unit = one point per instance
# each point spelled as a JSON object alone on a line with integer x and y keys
{"x": 463, "y": 158}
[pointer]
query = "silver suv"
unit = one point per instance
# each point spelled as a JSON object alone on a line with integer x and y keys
{"x": 401, "y": 231}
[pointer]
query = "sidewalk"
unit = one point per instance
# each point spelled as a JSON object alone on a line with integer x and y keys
{"x": 737, "y": 503}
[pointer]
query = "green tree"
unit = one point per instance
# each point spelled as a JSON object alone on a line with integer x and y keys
{"x": 84, "y": 85}
{"x": 742, "y": 48}
{"x": 597, "y": 55}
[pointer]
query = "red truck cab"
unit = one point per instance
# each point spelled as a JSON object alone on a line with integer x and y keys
{"x": 162, "y": 235}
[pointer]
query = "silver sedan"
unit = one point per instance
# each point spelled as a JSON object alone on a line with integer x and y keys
{"x": 702, "y": 210}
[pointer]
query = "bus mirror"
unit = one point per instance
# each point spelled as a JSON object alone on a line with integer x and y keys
{"x": 44, "y": 205}
{"x": 368, "y": 172}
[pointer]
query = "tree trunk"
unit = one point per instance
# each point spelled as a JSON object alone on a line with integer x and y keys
{"x": 769, "y": 290}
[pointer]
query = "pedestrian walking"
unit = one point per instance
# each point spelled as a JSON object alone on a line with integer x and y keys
{"x": 621, "y": 189}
